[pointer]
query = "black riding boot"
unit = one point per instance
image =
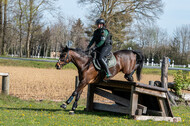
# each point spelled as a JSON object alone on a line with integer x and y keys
{"x": 105, "y": 67}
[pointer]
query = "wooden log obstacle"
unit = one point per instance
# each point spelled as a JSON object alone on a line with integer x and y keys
{"x": 5, "y": 83}
{"x": 140, "y": 101}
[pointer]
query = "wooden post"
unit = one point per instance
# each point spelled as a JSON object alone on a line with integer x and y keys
{"x": 164, "y": 78}
{"x": 164, "y": 72}
{"x": 151, "y": 83}
{"x": 5, "y": 83}
{"x": 90, "y": 97}
{"x": 133, "y": 102}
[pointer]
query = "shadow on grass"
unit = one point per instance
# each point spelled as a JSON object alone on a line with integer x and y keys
{"x": 100, "y": 113}
{"x": 32, "y": 109}
{"x": 84, "y": 112}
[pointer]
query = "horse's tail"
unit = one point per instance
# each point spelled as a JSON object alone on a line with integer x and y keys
{"x": 139, "y": 62}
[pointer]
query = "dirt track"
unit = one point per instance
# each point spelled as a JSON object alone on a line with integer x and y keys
{"x": 50, "y": 84}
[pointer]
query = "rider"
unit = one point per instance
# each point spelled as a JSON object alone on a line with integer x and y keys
{"x": 103, "y": 44}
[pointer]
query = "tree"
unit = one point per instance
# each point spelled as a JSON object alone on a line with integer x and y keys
{"x": 182, "y": 40}
{"x": 150, "y": 39}
{"x": 1, "y": 26}
{"x": 35, "y": 7}
{"x": 78, "y": 34}
{"x": 4, "y": 42}
{"x": 119, "y": 14}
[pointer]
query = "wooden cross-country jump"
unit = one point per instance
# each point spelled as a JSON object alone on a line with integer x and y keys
{"x": 140, "y": 101}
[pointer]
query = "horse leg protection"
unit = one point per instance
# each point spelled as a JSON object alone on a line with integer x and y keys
{"x": 71, "y": 97}
{"x": 75, "y": 103}
{"x": 74, "y": 106}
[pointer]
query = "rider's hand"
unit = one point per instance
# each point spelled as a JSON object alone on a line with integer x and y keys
{"x": 94, "y": 48}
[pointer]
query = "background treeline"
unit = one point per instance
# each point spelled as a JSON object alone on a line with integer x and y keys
{"x": 26, "y": 31}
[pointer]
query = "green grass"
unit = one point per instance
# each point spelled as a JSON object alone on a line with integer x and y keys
{"x": 157, "y": 71}
{"x": 14, "y": 111}
{"x": 35, "y": 64}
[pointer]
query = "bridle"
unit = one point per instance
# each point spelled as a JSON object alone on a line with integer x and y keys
{"x": 65, "y": 60}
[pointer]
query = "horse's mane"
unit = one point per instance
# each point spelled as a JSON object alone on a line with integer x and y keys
{"x": 79, "y": 51}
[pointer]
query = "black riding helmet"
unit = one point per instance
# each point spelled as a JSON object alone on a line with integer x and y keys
{"x": 100, "y": 21}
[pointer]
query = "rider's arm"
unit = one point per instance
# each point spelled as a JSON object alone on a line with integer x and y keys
{"x": 103, "y": 38}
{"x": 91, "y": 43}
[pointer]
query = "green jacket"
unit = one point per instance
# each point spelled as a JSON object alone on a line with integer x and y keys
{"x": 99, "y": 37}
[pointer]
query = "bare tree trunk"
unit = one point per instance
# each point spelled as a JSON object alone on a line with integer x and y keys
{"x": 20, "y": 29}
{"x": 1, "y": 15}
{"x": 29, "y": 31}
{"x": 4, "y": 43}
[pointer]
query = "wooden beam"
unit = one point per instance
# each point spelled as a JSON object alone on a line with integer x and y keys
{"x": 144, "y": 108}
{"x": 133, "y": 101}
{"x": 158, "y": 118}
{"x": 150, "y": 87}
{"x": 117, "y": 84}
{"x": 111, "y": 108}
{"x": 163, "y": 108}
{"x": 155, "y": 113}
{"x": 113, "y": 97}
{"x": 90, "y": 97}
{"x": 150, "y": 92}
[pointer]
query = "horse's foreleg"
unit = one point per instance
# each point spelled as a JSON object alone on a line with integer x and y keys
{"x": 76, "y": 101}
{"x": 79, "y": 91}
{"x": 64, "y": 105}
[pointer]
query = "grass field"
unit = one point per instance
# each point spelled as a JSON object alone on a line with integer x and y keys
{"x": 48, "y": 65}
{"x": 39, "y": 80}
{"x": 14, "y": 111}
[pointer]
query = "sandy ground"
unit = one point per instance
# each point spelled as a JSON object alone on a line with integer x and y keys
{"x": 50, "y": 84}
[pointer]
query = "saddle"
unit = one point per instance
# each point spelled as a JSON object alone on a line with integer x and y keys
{"x": 110, "y": 60}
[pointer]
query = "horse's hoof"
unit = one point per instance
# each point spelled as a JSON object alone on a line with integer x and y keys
{"x": 71, "y": 112}
{"x": 63, "y": 106}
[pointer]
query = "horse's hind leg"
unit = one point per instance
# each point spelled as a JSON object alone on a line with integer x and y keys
{"x": 129, "y": 77}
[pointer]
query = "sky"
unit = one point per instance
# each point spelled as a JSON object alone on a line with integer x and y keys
{"x": 176, "y": 13}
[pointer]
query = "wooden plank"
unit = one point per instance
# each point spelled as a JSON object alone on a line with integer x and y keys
{"x": 144, "y": 108}
{"x": 150, "y": 87}
{"x": 117, "y": 84}
{"x": 4, "y": 74}
{"x": 111, "y": 108}
{"x": 90, "y": 97}
{"x": 113, "y": 97}
{"x": 133, "y": 101}
{"x": 139, "y": 112}
{"x": 158, "y": 118}
{"x": 170, "y": 113}
{"x": 150, "y": 92}
{"x": 162, "y": 106}
{"x": 155, "y": 113}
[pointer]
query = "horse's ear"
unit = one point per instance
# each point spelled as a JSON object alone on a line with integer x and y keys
{"x": 66, "y": 47}
{"x": 62, "y": 46}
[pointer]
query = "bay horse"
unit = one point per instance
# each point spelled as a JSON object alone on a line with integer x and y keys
{"x": 127, "y": 61}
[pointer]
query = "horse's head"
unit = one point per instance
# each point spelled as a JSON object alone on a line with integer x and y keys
{"x": 64, "y": 58}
